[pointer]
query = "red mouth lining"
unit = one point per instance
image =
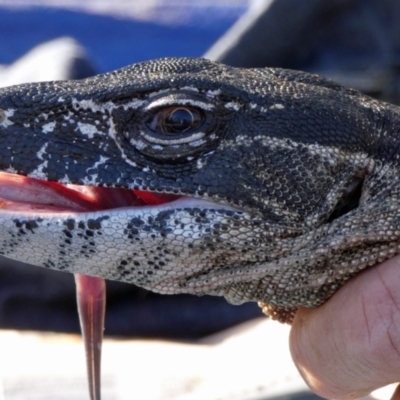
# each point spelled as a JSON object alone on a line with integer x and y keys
{"x": 20, "y": 193}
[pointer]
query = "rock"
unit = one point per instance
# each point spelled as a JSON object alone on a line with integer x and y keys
{"x": 58, "y": 59}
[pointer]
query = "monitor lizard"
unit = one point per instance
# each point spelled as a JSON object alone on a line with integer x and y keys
{"x": 265, "y": 185}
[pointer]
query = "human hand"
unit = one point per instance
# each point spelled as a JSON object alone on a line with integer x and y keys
{"x": 350, "y": 345}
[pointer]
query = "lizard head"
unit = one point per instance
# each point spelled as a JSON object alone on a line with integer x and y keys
{"x": 185, "y": 175}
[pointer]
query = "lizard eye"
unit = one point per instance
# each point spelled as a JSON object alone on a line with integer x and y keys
{"x": 176, "y": 120}
{"x": 174, "y": 127}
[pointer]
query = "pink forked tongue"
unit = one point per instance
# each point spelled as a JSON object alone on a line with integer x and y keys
{"x": 22, "y": 194}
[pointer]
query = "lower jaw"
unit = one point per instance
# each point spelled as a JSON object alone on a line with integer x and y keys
{"x": 28, "y": 197}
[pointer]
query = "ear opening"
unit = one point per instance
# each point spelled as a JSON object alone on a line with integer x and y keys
{"x": 350, "y": 199}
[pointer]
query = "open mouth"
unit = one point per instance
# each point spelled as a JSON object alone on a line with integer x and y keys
{"x": 23, "y": 194}
{"x": 20, "y": 194}
{"x": 33, "y": 197}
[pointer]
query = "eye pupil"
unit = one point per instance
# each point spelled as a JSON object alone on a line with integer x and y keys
{"x": 180, "y": 120}
{"x": 176, "y": 120}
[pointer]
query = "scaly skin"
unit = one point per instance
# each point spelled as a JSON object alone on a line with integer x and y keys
{"x": 290, "y": 181}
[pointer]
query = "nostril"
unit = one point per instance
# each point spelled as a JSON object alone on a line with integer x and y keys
{"x": 350, "y": 199}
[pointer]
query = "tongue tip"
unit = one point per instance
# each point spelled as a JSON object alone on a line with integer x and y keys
{"x": 91, "y": 298}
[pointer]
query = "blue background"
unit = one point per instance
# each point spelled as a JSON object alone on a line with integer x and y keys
{"x": 113, "y": 42}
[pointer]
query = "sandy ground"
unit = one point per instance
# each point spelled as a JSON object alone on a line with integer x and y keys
{"x": 249, "y": 362}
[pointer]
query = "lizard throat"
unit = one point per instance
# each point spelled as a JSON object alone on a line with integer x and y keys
{"x": 23, "y": 194}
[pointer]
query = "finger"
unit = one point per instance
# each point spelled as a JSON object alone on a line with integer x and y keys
{"x": 351, "y": 345}
{"x": 396, "y": 394}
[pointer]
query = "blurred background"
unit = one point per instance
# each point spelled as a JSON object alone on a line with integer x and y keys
{"x": 356, "y": 43}
{"x": 115, "y": 33}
